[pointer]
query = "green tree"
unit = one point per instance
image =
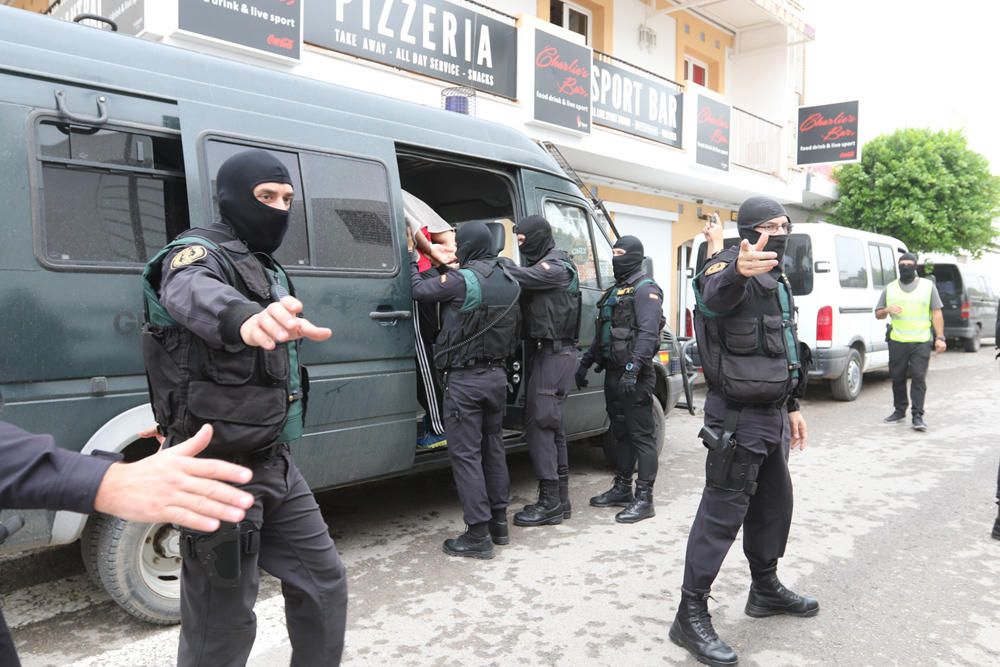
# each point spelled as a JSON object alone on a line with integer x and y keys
{"x": 926, "y": 188}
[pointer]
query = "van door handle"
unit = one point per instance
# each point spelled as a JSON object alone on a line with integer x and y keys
{"x": 390, "y": 317}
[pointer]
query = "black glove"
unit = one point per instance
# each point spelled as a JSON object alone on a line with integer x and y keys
{"x": 629, "y": 378}
{"x": 581, "y": 375}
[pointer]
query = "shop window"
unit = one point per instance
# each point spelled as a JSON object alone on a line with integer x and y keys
{"x": 573, "y": 17}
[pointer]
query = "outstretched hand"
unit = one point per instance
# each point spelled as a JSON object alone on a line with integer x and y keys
{"x": 280, "y": 323}
{"x": 753, "y": 260}
{"x": 172, "y": 486}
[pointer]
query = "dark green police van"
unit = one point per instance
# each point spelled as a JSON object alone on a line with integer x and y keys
{"x": 109, "y": 149}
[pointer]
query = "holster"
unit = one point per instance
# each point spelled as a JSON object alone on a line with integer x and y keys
{"x": 721, "y": 453}
{"x": 221, "y": 552}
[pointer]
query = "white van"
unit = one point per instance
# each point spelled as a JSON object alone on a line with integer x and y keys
{"x": 837, "y": 275}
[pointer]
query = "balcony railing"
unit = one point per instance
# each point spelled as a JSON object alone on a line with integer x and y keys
{"x": 756, "y": 143}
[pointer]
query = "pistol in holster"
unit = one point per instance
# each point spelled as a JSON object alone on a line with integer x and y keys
{"x": 221, "y": 552}
{"x": 721, "y": 454}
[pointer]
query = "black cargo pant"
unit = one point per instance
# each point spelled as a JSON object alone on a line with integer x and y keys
{"x": 909, "y": 359}
{"x": 632, "y": 423}
{"x": 550, "y": 376}
{"x": 218, "y": 625}
{"x": 8, "y": 656}
{"x": 474, "y": 402}
{"x": 765, "y": 516}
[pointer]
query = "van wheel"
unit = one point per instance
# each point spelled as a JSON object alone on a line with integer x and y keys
{"x": 138, "y": 564}
{"x": 848, "y": 386}
{"x": 659, "y": 434}
{"x": 972, "y": 344}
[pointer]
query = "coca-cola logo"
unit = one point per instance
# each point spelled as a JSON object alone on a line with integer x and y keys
{"x": 280, "y": 42}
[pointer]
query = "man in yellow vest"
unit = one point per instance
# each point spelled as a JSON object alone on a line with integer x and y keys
{"x": 915, "y": 305}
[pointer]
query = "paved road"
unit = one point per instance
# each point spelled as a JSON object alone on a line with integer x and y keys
{"x": 890, "y": 534}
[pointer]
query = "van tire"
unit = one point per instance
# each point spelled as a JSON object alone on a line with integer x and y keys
{"x": 659, "y": 434}
{"x": 131, "y": 565}
{"x": 88, "y": 549}
{"x": 972, "y": 344}
{"x": 848, "y": 386}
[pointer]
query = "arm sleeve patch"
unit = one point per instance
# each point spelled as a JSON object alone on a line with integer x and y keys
{"x": 188, "y": 255}
{"x": 715, "y": 268}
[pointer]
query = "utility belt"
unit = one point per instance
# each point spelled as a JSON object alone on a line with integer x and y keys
{"x": 728, "y": 466}
{"x": 476, "y": 364}
{"x": 550, "y": 345}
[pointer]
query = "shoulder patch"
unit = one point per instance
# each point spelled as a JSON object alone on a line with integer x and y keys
{"x": 654, "y": 296}
{"x": 715, "y": 268}
{"x": 188, "y": 255}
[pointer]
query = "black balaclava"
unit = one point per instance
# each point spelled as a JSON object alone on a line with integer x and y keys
{"x": 907, "y": 274}
{"x": 474, "y": 242}
{"x": 538, "y": 239}
{"x": 755, "y": 211}
{"x": 260, "y": 226}
{"x": 627, "y": 264}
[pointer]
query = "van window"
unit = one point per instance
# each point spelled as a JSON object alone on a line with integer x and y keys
{"x": 883, "y": 266}
{"x": 571, "y": 231}
{"x": 109, "y": 196}
{"x": 604, "y": 255}
{"x": 888, "y": 263}
{"x": 947, "y": 279}
{"x": 798, "y": 264}
{"x": 340, "y": 217}
{"x": 853, "y": 270}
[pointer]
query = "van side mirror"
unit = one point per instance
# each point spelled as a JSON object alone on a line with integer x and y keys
{"x": 821, "y": 267}
{"x": 647, "y": 266}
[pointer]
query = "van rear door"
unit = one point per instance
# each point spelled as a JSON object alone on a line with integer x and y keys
{"x": 346, "y": 259}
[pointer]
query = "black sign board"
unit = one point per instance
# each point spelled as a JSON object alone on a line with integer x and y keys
{"x": 713, "y": 133}
{"x": 828, "y": 133}
{"x": 128, "y": 15}
{"x": 562, "y": 82}
{"x": 636, "y": 103}
{"x": 271, "y": 26}
{"x": 432, "y": 37}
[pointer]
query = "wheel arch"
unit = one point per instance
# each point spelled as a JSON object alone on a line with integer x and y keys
{"x": 114, "y": 436}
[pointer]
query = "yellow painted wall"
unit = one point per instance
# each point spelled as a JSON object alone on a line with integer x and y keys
{"x": 690, "y": 44}
{"x": 685, "y": 229}
{"x": 602, "y": 29}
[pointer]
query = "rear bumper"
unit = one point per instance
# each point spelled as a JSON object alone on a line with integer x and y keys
{"x": 960, "y": 331}
{"x": 829, "y": 363}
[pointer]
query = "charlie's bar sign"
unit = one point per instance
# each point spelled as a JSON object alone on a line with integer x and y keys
{"x": 635, "y": 103}
{"x": 432, "y": 37}
{"x": 828, "y": 133}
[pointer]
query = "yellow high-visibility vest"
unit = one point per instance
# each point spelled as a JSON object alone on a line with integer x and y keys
{"x": 913, "y": 325}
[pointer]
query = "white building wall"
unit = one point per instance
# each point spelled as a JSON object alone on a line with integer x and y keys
{"x": 662, "y": 59}
{"x": 759, "y": 78}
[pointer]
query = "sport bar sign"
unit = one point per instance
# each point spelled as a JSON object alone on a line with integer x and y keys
{"x": 636, "y": 103}
{"x": 270, "y": 26}
{"x": 713, "y": 133}
{"x": 828, "y": 133}
{"x": 432, "y": 37}
{"x": 562, "y": 82}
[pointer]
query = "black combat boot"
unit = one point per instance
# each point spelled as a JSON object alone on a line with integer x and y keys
{"x": 547, "y": 511}
{"x": 499, "y": 532}
{"x": 619, "y": 495}
{"x": 692, "y": 629}
{"x": 567, "y": 508}
{"x": 473, "y": 543}
{"x": 769, "y": 597}
{"x": 996, "y": 526}
{"x": 641, "y": 507}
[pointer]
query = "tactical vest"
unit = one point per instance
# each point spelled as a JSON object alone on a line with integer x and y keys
{"x": 617, "y": 325}
{"x": 554, "y": 314}
{"x": 913, "y": 325}
{"x": 751, "y": 354}
{"x": 487, "y": 325}
{"x": 253, "y": 398}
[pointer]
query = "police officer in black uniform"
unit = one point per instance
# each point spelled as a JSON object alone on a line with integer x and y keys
{"x": 629, "y": 322}
{"x": 550, "y": 304}
{"x": 36, "y": 474}
{"x": 749, "y": 349}
{"x": 480, "y": 328}
{"x": 221, "y": 346}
